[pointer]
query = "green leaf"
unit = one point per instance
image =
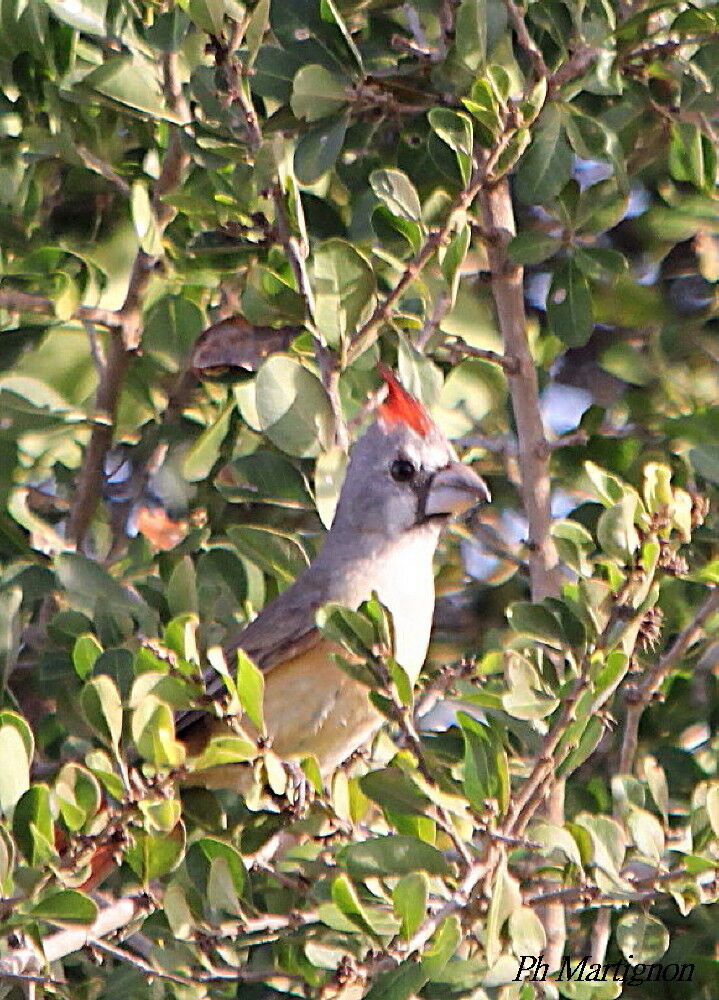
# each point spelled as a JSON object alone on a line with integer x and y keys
{"x": 172, "y": 325}
{"x": 657, "y": 487}
{"x": 84, "y": 654}
{"x": 471, "y": 32}
{"x": 545, "y": 166}
{"x": 397, "y": 193}
{"x": 600, "y": 263}
{"x": 152, "y": 855}
{"x": 222, "y": 895}
{"x": 583, "y": 989}
{"x": 656, "y": 779}
{"x": 67, "y": 907}
{"x": 317, "y": 93}
{"x": 536, "y": 621}
{"x": 505, "y": 899}
{"x": 7, "y": 860}
{"x": 203, "y": 453}
{"x": 330, "y": 469}
{"x": 483, "y": 106}
{"x": 78, "y": 794}
{"x": 486, "y": 770}
{"x": 400, "y": 983}
{"x": 177, "y": 911}
{"x": 455, "y": 128}
{"x": 532, "y": 248}
{"x": 642, "y": 937}
{"x": 208, "y": 15}
{"x": 153, "y": 733}
{"x": 318, "y": 148}
{"x": 268, "y": 298}
{"x": 274, "y": 72}
{"x": 511, "y": 153}
{"x": 279, "y": 555}
{"x": 181, "y": 593}
{"x": 452, "y": 257}
{"x": 345, "y": 289}
{"x": 251, "y": 690}
{"x": 608, "y": 840}
{"x": 32, "y": 825}
{"x": 392, "y": 855}
{"x": 102, "y": 707}
{"x": 591, "y": 734}
{"x": 441, "y": 946}
{"x": 221, "y": 750}
{"x": 10, "y": 628}
{"x": 292, "y": 407}
{"x": 17, "y": 747}
{"x": 608, "y": 488}
{"x": 345, "y": 898}
{"x": 349, "y": 628}
{"x": 86, "y": 581}
{"x": 100, "y": 766}
{"x": 265, "y": 477}
{"x": 569, "y": 305}
{"x": 692, "y": 156}
{"x": 409, "y": 902}
{"x": 160, "y": 815}
{"x": 256, "y": 28}
{"x": 526, "y": 932}
{"x": 144, "y": 221}
{"x": 131, "y": 82}
{"x": 392, "y": 788}
{"x": 555, "y": 838}
{"x": 646, "y": 832}
{"x": 84, "y": 15}
{"x": 616, "y": 531}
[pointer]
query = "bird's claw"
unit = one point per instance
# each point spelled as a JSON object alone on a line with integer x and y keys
{"x": 298, "y": 788}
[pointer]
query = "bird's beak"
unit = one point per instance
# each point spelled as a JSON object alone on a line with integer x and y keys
{"x": 454, "y": 489}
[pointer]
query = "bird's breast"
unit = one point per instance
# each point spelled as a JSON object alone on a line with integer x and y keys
{"x": 405, "y": 585}
{"x": 312, "y": 706}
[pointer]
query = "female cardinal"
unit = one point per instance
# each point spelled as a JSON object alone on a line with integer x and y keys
{"x": 403, "y": 483}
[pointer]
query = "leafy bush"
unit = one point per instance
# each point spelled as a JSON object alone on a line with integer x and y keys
{"x": 216, "y": 218}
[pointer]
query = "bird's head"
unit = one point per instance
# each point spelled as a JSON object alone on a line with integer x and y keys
{"x": 403, "y": 473}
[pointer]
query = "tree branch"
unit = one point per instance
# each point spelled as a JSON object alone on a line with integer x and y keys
{"x": 533, "y": 449}
{"x": 56, "y": 946}
{"x": 507, "y": 281}
{"x": 652, "y": 680}
{"x": 525, "y": 41}
{"x": 127, "y": 339}
{"x": 25, "y": 302}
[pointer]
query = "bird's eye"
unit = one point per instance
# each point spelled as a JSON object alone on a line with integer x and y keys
{"x": 402, "y": 470}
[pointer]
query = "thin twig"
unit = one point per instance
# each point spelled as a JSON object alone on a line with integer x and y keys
{"x": 326, "y": 360}
{"x": 525, "y": 41}
{"x": 195, "y": 979}
{"x": 533, "y": 456}
{"x": 93, "y": 162}
{"x": 25, "y": 302}
{"x": 458, "y": 349}
{"x": 112, "y": 375}
{"x": 433, "y": 321}
{"x": 56, "y": 946}
{"x": 647, "y": 688}
{"x": 507, "y": 281}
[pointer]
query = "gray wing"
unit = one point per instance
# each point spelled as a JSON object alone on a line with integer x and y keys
{"x": 282, "y": 630}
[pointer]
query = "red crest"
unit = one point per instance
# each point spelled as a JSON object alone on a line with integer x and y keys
{"x": 398, "y": 407}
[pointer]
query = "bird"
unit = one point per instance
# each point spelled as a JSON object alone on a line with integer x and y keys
{"x": 402, "y": 485}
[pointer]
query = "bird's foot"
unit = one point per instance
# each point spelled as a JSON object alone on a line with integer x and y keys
{"x": 298, "y": 788}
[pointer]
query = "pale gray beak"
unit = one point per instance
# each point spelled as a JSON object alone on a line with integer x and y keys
{"x": 455, "y": 489}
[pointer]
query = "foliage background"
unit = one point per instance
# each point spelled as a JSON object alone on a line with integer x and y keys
{"x": 317, "y": 185}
